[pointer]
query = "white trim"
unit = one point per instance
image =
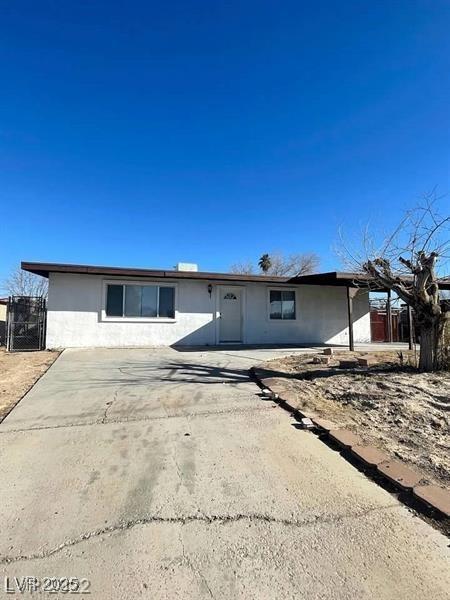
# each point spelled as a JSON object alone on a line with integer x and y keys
{"x": 106, "y": 319}
{"x": 243, "y": 289}
{"x": 282, "y": 289}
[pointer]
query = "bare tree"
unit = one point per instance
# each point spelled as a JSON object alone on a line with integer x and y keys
{"x": 293, "y": 264}
{"x": 23, "y": 283}
{"x": 406, "y": 263}
{"x": 242, "y": 268}
{"x": 282, "y": 266}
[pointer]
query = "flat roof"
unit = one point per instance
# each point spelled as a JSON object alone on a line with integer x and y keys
{"x": 333, "y": 278}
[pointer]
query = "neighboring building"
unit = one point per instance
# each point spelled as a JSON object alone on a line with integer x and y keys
{"x": 90, "y": 306}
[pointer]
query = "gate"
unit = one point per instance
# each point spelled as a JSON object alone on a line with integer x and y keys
{"x": 26, "y": 323}
{"x": 379, "y": 325}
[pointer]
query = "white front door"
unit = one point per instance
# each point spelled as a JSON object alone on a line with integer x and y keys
{"x": 230, "y": 306}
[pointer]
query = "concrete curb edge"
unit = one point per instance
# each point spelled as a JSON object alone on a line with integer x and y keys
{"x": 402, "y": 477}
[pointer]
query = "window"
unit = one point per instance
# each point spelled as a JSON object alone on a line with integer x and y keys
{"x": 114, "y": 301}
{"x": 282, "y": 304}
{"x": 146, "y": 301}
{"x": 166, "y": 302}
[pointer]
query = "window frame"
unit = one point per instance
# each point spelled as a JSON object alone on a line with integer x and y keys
{"x": 282, "y": 289}
{"x": 125, "y": 319}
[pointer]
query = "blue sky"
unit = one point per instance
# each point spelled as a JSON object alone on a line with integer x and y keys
{"x": 144, "y": 133}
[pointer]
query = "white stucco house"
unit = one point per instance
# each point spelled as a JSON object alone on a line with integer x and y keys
{"x": 92, "y": 306}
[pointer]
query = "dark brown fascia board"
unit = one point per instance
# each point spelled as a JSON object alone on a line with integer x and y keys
{"x": 360, "y": 280}
{"x": 44, "y": 269}
{"x": 332, "y": 278}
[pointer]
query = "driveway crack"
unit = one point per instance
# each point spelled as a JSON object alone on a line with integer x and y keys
{"x": 198, "y": 517}
{"x": 175, "y": 460}
{"x": 206, "y": 413}
{"x": 186, "y": 559}
{"x": 109, "y": 404}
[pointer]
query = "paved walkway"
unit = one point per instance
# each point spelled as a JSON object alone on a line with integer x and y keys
{"x": 164, "y": 474}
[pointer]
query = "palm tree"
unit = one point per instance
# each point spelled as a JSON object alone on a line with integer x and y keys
{"x": 265, "y": 263}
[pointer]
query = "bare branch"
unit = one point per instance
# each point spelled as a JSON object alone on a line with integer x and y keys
{"x": 280, "y": 265}
{"x": 242, "y": 268}
{"x": 23, "y": 283}
{"x": 407, "y": 263}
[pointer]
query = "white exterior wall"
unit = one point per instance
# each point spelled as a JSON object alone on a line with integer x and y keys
{"x": 321, "y": 313}
{"x": 76, "y": 316}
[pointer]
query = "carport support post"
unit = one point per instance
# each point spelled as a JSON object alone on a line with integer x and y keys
{"x": 410, "y": 327}
{"x": 351, "y": 292}
{"x": 389, "y": 316}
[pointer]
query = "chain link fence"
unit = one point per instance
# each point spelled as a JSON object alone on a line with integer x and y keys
{"x": 26, "y": 323}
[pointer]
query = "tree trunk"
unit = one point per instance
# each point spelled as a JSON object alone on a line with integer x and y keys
{"x": 430, "y": 338}
{"x": 427, "y": 348}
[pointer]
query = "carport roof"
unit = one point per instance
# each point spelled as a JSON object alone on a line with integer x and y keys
{"x": 333, "y": 278}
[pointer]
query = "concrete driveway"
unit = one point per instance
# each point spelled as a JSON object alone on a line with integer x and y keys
{"x": 163, "y": 474}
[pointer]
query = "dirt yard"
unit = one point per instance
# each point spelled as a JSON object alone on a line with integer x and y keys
{"x": 18, "y": 372}
{"x": 388, "y": 404}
